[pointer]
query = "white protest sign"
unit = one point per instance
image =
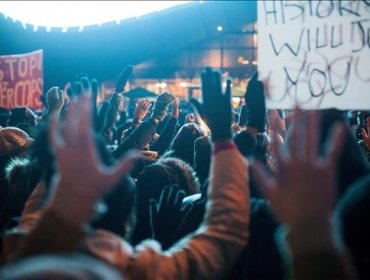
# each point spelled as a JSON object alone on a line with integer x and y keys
{"x": 315, "y": 53}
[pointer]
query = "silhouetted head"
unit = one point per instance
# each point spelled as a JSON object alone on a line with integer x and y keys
{"x": 119, "y": 214}
{"x": 182, "y": 145}
{"x": 202, "y": 157}
{"x": 246, "y": 143}
{"x": 151, "y": 182}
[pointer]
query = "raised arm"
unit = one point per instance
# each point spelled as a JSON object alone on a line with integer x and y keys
{"x": 302, "y": 196}
{"x": 143, "y": 134}
{"x": 168, "y": 132}
{"x": 75, "y": 188}
{"x": 210, "y": 252}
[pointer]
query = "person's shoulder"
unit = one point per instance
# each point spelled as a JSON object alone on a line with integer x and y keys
{"x": 108, "y": 246}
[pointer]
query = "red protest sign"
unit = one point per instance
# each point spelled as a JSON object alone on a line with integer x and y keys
{"x": 21, "y": 80}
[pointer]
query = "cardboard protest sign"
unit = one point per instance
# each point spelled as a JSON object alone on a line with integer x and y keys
{"x": 315, "y": 53}
{"x": 21, "y": 80}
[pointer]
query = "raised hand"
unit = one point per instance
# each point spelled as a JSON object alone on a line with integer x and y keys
{"x": 167, "y": 215}
{"x": 123, "y": 78}
{"x": 81, "y": 183}
{"x": 255, "y": 101}
{"x": 303, "y": 189}
{"x": 86, "y": 86}
{"x": 276, "y": 123}
{"x": 161, "y": 105}
{"x": 366, "y": 134}
{"x": 190, "y": 118}
{"x": 142, "y": 108}
{"x": 54, "y": 100}
{"x": 217, "y": 105}
{"x": 175, "y": 109}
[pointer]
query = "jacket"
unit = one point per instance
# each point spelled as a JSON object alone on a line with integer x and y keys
{"x": 208, "y": 253}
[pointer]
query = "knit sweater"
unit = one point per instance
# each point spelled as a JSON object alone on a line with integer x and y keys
{"x": 208, "y": 253}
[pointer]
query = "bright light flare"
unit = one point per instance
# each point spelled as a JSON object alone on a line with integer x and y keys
{"x": 80, "y": 13}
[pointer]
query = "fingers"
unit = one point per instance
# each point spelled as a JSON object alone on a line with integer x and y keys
{"x": 293, "y": 151}
{"x": 314, "y": 136}
{"x": 69, "y": 121}
{"x": 335, "y": 144}
{"x": 142, "y": 104}
{"x": 180, "y": 195}
{"x": 207, "y": 85}
{"x": 276, "y": 150}
{"x": 153, "y": 212}
{"x": 148, "y": 106}
{"x": 55, "y": 137}
{"x": 368, "y": 124}
{"x": 61, "y": 98}
{"x": 217, "y": 84}
{"x": 175, "y": 105}
{"x": 70, "y": 91}
{"x": 153, "y": 209}
{"x": 83, "y": 118}
{"x": 94, "y": 87}
{"x": 172, "y": 195}
{"x": 166, "y": 98}
{"x": 164, "y": 195}
{"x": 187, "y": 209}
{"x": 123, "y": 78}
{"x": 267, "y": 185}
{"x": 171, "y": 98}
{"x": 175, "y": 108}
{"x": 78, "y": 89}
{"x": 364, "y": 133}
{"x": 228, "y": 89}
{"x": 85, "y": 85}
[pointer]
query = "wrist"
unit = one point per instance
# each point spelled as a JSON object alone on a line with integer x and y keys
{"x": 309, "y": 237}
{"x": 137, "y": 121}
{"x": 69, "y": 205}
{"x": 54, "y": 111}
{"x": 220, "y": 145}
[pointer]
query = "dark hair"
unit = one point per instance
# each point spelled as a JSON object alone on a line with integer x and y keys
{"x": 182, "y": 145}
{"x": 152, "y": 181}
{"x": 202, "y": 158}
{"x": 352, "y": 164}
{"x": 246, "y": 143}
{"x": 119, "y": 216}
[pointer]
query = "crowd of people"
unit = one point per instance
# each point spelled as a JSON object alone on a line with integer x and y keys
{"x": 177, "y": 189}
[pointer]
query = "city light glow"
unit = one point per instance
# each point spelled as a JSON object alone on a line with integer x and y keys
{"x": 65, "y": 14}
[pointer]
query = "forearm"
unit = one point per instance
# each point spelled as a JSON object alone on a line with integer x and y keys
{"x": 60, "y": 228}
{"x": 166, "y": 136}
{"x": 212, "y": 250}
{"x": 52, "y": 235}
{"x": 140, "y": 137}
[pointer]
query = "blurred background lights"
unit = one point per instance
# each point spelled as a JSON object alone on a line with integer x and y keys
{"x": 162, "y": 85}
{"x": 220, "y": 28}
{"x": 64, "y": 14}
{"x": 183, "y": 84}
